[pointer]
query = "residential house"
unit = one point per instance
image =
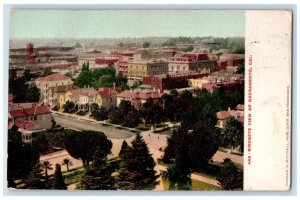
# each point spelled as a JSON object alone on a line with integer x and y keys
{"x": 51, "y": 86}
{"x": 29, "y": 118}
{"x": 81, "y": 97}
{"x": 109, "y": 96}
{"x": 224, "y": 115}
{"x": 138, "y": 97}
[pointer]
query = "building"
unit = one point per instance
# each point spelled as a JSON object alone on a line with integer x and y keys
{"x": 30, "y": 118}
{"x": 109, "y": 96}
{"x": 223, "y": 116}
{"x": 170, "y": 82}
{"x": 121, "y": 67}
{"x": 139, "y": 69}
{"x": 51, "y": 86}
{"x": 189, "y": 62}
{"x": 81, "y": 97}
{"x": 229, "y": 86}
{"x": 138, "y": 97}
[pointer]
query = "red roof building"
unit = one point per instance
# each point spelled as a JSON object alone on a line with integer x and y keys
{"x": 53, "y": 77}
{"x": 137, "y": 98}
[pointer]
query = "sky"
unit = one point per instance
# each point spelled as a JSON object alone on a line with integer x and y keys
{"x": 125, "y": 23}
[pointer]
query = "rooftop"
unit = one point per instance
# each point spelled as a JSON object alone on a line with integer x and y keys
{"x": 53, "y": 77}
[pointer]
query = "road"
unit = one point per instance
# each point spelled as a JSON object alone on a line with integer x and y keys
{"x": 80, "y": 123}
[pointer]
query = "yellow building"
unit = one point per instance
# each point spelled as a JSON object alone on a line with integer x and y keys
{"x": 197, "y": 82}
{"x": 147, "y": 68}
{"x": 81, "y": 97}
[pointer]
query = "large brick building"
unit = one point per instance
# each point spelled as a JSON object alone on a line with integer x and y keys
{"x": 188, "y": 62}
{"x": 169, "y": 82}
{"x": 139, "y": 69}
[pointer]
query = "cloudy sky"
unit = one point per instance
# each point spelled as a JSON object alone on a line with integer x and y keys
{"x": 125, "y": 23}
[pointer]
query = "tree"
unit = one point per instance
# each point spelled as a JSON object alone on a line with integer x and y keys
{"x": 14, "y": 134}
{"x": 99, "y": 175}
{"x": 146, "y": 44}
{"x": 47, "y": 72}
{"x": 47, "y": 166}
{"x": 101, "y": 114}
{"x": 32, "y": 94}
{"x": 230, "y": 177}
{"x": 124, "y": 148}
{"x": 94, "y": 108}
{"x": 67, "y": 162}
{"x": 201, "y": 142}
{"x": 36, "y": 180}
{"x": 21, "y": 159}
{"x": 41, "y": 143}
{"x": 18, "y": 88}
{"x": 189, "y": 49}
{"x": 137, "y": 167}
{"x": 104, "y": 81}
{"x": 151, "y": 112}
{"x": 69, "y": 107}
{"x": 77, "y": 45}
{"x": 59, "y": 182}
{"x": 179, "y": 174}
{"x": 241, "y": 69}
{"x": 85, "y": 77}
{"x": 82, "y": 145}
{"x": 233, "y": 134}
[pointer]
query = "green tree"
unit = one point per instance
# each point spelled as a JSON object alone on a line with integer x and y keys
{"x": 14, "y": 134}
{"x": 20, "y": 161}
{"x": 46, "y": 166}
{"x": 179, "y": 174}
{"x": 58, "y": 182}
{"x": 230, "y": 177}
{"x": 124, "y": 148}
{"x": 241, "y": 69}
{"x": 137, "y": 167}
{"x": 36, "y": 180}
{"x": 85, "y": 77}
{"x": 233, "y": 134}
{"x": 94, "y": 108}
{"x": 69, "y": 107}
{"x": 82, "y": 145}
{"x": 67, "y": 162}
{"x": 151, "y": 112}
{"x": 99, "y": 175}
{"x": 104, "y": 81}
{"x": 189, "y": 49}
{"x": 32, "y": 94}
{"x": 77, "y": 45}
{"x": 47, "y": 72}
{"x": 18, "y": 88}
{"x": 101, "y": 114}
{"x": 146, "y": 44}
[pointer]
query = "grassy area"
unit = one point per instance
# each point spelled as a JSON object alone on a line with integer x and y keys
{"x": 196, "y": 185}
{"x": 210, "y": 172}
{"x": 73, "y": 177}
{"x": 205, "y": 175}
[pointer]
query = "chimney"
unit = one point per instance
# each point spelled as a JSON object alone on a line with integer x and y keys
{"x": 229, "y": 109}
{"x": 114, "y": 85}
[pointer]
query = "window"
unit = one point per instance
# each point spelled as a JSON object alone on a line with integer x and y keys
{"x": 35, "y": 117}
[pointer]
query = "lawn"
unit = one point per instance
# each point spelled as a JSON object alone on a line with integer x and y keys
{"x": 73, "y": 177}
{"x": 196, "y": 185}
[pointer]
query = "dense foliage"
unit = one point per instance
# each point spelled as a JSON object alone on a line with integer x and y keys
{"x": 82, "y": 145}
{"x": 137, "y": 167}
{"x": 99, "y": 175}
{"x": 230, "y": 177}
{"x": 101, "y": 77}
